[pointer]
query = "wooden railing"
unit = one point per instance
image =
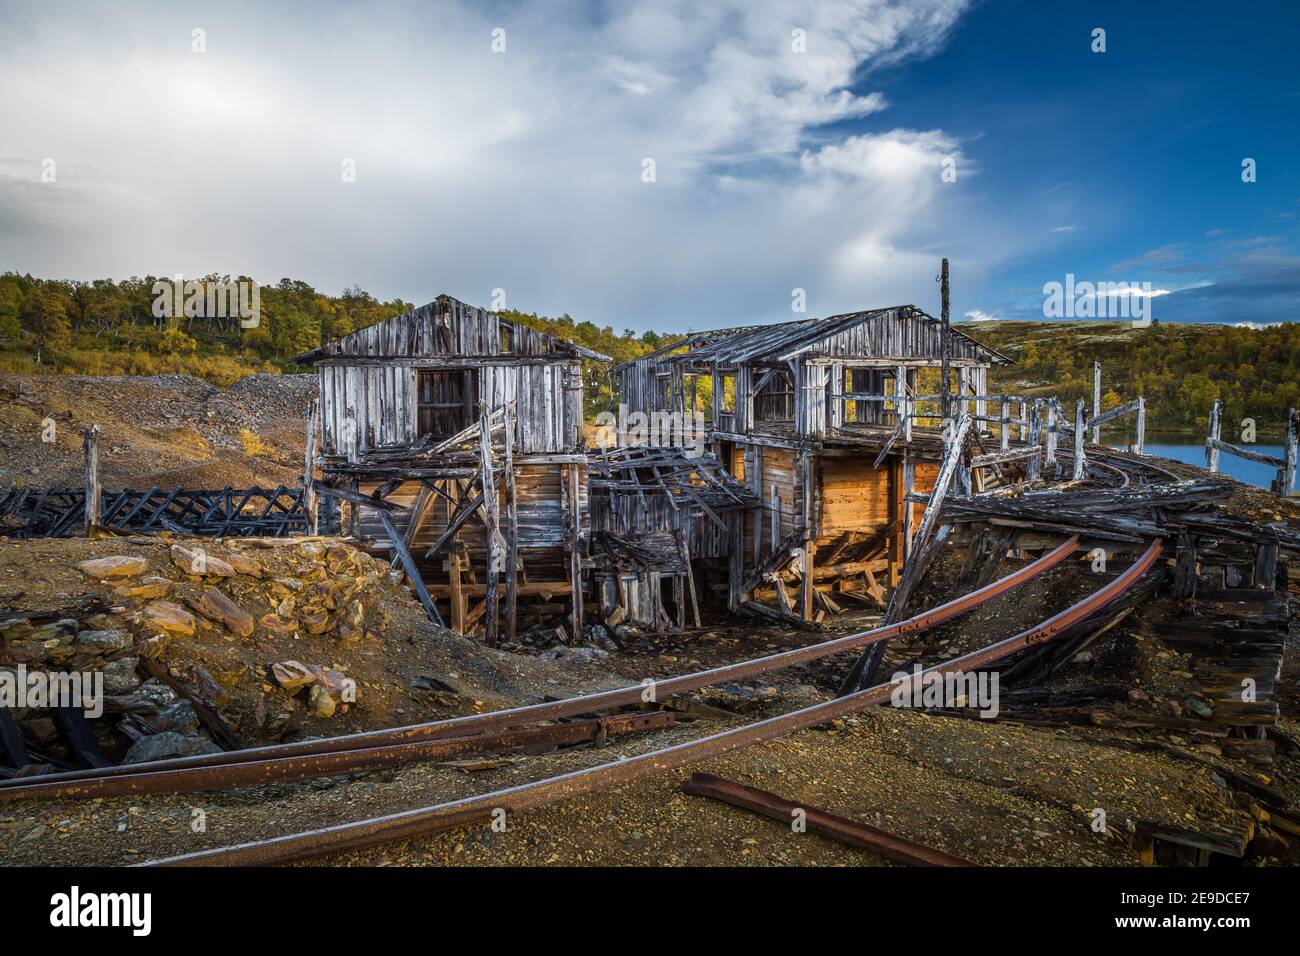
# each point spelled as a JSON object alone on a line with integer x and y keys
{"x": 1284, "y": 483}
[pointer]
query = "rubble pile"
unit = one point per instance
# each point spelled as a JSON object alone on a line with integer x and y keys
{"x": 161, "y": 615}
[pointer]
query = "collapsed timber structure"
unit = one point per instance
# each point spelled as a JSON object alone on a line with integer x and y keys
{"x": 840, "y": 430}
{"x": 455, "y": 436}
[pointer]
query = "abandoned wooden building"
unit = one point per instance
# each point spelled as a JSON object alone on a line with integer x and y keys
{"x": 836, "y": 428}
{"x": 455, "y": 438}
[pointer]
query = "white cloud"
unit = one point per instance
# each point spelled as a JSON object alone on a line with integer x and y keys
{"x": 976, "y": 315}
{"x": 478, "y": 170}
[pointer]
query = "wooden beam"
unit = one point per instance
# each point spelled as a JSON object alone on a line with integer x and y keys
{"x": 574, "y": 518}
{"x": 412, "y": 572}
{"x": 1212, "y": 433}
{"x": 512, "y": 539}
{"x": 90, "y": 444}
{"x": 309, "y": 464}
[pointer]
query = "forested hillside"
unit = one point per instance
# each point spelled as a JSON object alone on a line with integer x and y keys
{"x": 109, "y": 328}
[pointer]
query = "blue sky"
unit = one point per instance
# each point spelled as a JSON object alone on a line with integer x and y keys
{"x": 796, "y": 146}
{"x": 1129, "y": 161}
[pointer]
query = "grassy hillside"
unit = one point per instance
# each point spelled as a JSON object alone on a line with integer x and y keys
{"x": 108, "y": 328}
{"x": 1180, "y": 369}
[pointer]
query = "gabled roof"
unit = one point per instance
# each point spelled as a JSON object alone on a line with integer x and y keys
{"x": 786, "y": 340}
{"x": 445, "y": 327}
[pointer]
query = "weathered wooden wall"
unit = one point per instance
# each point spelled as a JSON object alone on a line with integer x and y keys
{"x": 369, "y": 379}
{"x": 541, "y": 519}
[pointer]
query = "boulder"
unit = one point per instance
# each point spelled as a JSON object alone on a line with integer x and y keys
{"x": 147, "y": 589}
{"x": 103, "y": 642}
{"x": 315, "y": 620}
{"x": 16, "y": 629}
{"x": 276, "y": 624}
{"x": 167, "y": 744}
{"x": 244, "y": 564}
{"x": 120, "y": 676}
{"x": 169, "y": 618}
{"x": 216, "y": 606}
{"x": 292, "y": 675}
{"x": 180, "y": 717}
{"x": 321, "y": 703}
{"x": 198, "y": 561}
{"x": 151, "y": 697}
{"x": 115, "y": 567}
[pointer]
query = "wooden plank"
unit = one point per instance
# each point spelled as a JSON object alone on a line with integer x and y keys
{"x": 412, "y": 571}
{"x": 309, "y": 464}
{"x": 90, "y": 444}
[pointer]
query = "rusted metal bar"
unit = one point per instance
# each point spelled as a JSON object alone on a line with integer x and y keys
{"x": 839, "y": 828}
{"x": 286, "y": 769}
{"x": 425, "y": 820}
{"x": 605, "y": 700}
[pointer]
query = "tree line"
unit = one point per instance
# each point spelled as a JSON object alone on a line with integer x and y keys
{"x": 106, "y": 327}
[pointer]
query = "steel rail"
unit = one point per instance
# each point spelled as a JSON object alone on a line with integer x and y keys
{"x": 569, "y": 707}
{"x": 425, "y": 820}
{"x": 288, "y": 769}
{"x": 846, "y": 830}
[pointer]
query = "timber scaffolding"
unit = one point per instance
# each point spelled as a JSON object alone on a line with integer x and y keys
{"x": 220, "y": 512}
{"x": 836, "y": 426}
{"x": 655, "y": 512}
{"x": 454, "y": 438}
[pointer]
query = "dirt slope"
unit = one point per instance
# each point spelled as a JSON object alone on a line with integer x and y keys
{"x": 156, "y": 430}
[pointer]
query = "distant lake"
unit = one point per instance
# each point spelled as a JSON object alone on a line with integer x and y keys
{"x": 1193, "y": 453}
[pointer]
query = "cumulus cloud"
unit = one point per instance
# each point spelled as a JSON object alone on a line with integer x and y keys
{"x": 476, "y": 170}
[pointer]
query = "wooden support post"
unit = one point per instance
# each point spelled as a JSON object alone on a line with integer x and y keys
{"x": 945, "y": 347}
{"x": 1140, "y": 438}
{"x": 735, "y": 560}
{"x": 491, "y": 516}
{"x": 1031, "y": 463}
{"x": 1285, "y": 481}
{"x": 512, "y": 538}
{"x": 679, "y": 602}
{"x": 1096, "y": 400}
{"x": 90, "y": 442}
{"x": 408, "y": 564}
{"x": 1004, "y": 428}
{"x": 774, "y": 516}
{"x": 1212, "y": 433}
{"x": 309, "y": 465}
{"x": 455, "y": 563}
{"x": 909, "y": 485}
{"x": 354, "y": 511}
{"x": 806, "y": 524}
{"x": 756, "y": 483}
{"x": 1079, "y": 432}
{"x": 575, "y": 550}
{"x": 690, "y": 575}
{"x": 1050, "y": 460}
{"x": 963, "y": 389}
{"x": 1024, "y": 417}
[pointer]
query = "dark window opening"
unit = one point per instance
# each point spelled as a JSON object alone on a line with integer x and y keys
{"x": 446, "y": 402}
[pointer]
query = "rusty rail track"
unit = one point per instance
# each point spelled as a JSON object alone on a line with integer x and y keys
{"x": 425, "y": 820}
{"x": 288, "y": 769}
{"x": 850, "y": 832}
{"x": 304, "y": 759}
